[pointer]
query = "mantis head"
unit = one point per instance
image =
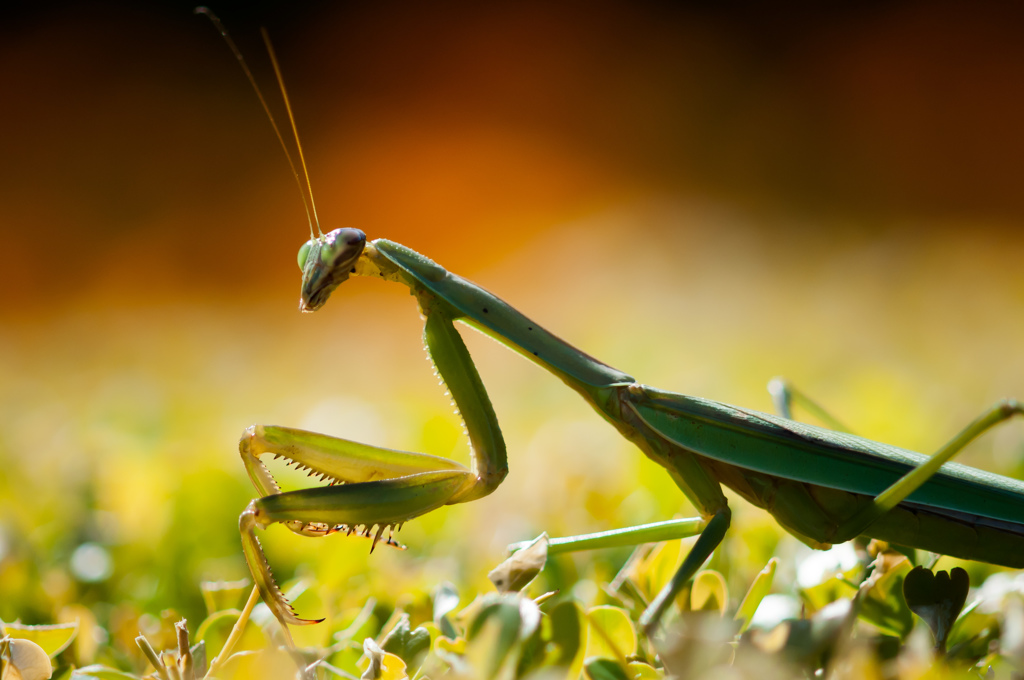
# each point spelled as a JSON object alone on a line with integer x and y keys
{"x": 325, "y": 263}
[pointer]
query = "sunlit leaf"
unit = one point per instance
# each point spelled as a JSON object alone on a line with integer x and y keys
{"x": 611, "y": 633}
{"x": 760, "y": 587}
{"x": 709, "y": 592}
{"x": 828, "y": 591}
{"x": 53, "y": 639}
{"x": 637, "y": 670}
{"x": 653, "y": 572}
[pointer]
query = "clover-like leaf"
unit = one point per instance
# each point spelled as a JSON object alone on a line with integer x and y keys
{"x": 937, "y": 598}
{"x": 404, "y": 642}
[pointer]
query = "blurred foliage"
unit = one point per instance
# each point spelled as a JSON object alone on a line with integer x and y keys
{"x": 121, "y": 491}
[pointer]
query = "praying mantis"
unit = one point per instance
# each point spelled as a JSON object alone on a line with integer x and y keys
{"x": 823, "y": 486}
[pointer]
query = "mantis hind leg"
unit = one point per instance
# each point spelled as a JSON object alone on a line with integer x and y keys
{"x": 784, "y": 396}
{"x": 910, "y": 482}
{"x": 711, "y": 533}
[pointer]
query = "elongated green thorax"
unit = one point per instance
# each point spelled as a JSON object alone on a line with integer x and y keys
{"x": 486, "y": 312}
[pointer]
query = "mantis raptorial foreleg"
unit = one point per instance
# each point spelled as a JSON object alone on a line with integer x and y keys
{"x": 371, "y": 490}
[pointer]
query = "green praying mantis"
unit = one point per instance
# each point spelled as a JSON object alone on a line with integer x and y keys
{"x": 824, "y": 486}
{"x": 821, "y": 485}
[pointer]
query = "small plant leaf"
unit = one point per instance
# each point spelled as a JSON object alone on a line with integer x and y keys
{"x": 709, "y": 592}
{"x": 882, "y": 603}
{"x": 760, "y": 587}
{"x": 404, "y": 642}
{"x": 54, "y": 638}
{"x": 638, "y": 670}
{"x": 521, "y": 567}
{"x": 605, "y": 669}
{"x": 492, "y": 635}
{"x": 446, "y": 599}
{"x": 610, "y": 634}
{"x": 566, "y": 634}
{"x": 937, "y": 598}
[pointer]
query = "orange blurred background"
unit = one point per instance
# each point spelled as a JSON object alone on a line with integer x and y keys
{"x": 705, "y": 197}
{"x": 136, "y": 162}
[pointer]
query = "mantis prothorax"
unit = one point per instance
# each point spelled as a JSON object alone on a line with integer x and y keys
{"x": 821, "y": 485}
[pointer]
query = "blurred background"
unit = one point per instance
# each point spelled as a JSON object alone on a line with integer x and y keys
{"x": 702, "y": 196}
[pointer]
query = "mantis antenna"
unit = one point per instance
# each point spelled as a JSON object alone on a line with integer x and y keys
{"x": 309, "y": 204}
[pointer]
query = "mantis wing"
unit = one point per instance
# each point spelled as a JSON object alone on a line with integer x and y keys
{"x": 798, "y": 451}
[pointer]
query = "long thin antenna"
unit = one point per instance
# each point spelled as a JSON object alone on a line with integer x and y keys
{"x": 252, "y": 81}
{"x": 291, "y": 118}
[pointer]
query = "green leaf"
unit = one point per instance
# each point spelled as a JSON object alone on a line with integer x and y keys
{"x": 709, "y": 592}
{"x": 566, "y": 634}
{"x": 404, "y": 642}
{"x": 610, "y": 633}
{"x": 604, "y": 669}
{"x": 637, "y": 670}
{"x": 883, "y": 604}
{"x": 492, "y": 634}
{"x": 654, "y": 571}
{"x": 54, "y": 639}
{"x": 830, "y": 590}
{"x": 446, "y": 599}
{"x": 937, "y": 598}
{"x": 760, "y": 587}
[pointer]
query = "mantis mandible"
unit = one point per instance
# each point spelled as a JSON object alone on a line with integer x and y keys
{"x": 821, "y": 485}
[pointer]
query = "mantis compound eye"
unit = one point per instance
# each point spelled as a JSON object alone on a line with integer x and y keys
{"x": 341, "y": 245}
{"x": 304, "y": 254}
